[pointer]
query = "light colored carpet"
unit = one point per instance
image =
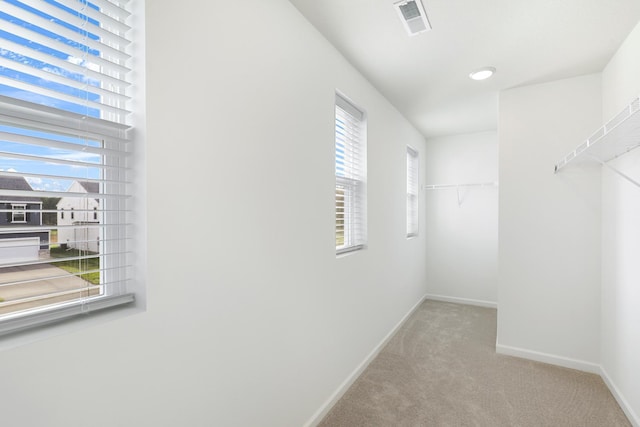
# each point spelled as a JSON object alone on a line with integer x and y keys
{"x": 441, "y": 369}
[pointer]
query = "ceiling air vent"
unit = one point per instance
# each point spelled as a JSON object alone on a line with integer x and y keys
{"x": 413, "y": 16}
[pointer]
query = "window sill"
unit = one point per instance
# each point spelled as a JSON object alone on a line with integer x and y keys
{"x": 348, "y": 251}
{"x": 27, "y": 327}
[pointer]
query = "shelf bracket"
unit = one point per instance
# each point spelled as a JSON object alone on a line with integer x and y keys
{"x": 614, "y": 170}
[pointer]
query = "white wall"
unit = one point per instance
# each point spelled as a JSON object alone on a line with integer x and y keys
{"x": 462, "y": 231}
{"x": 251, "y": 319}
{"x": 621, "y": 239}
{"x": 549, "y": 233}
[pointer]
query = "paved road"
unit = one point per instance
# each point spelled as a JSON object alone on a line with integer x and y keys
{"x": 28, "y": 295}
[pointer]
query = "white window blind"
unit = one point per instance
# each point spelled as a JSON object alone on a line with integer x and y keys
{"x": 350, "y": 202}
{"x": 413, "y": 169}
{"x": 64, "y": 128}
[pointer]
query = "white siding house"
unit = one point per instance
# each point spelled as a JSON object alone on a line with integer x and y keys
{"x": 74, "y": 212}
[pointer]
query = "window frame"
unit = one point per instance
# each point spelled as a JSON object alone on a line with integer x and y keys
{"x": 413, "y": 192}
{"x": 115, "y": 135}
{"x": 350, "y": 159}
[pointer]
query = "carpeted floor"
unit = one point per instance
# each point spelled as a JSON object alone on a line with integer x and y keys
{"x": 441, "y": 369}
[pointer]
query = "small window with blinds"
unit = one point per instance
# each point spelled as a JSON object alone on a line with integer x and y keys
{"x": 413, "y": 169}
{"x": 351, "y": 174}
{"x": 64, "y": 127}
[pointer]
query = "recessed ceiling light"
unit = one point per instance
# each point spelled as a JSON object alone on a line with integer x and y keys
{"x": 482, "y": 73}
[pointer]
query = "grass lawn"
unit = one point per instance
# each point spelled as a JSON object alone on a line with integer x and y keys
{"x": 77, "y": 266}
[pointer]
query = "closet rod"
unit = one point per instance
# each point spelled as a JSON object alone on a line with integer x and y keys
{"x": 445, "y": 186}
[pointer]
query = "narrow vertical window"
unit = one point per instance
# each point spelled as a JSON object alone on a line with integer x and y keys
{"x": 350, "y": 162}
{"x": 413, "y": 169}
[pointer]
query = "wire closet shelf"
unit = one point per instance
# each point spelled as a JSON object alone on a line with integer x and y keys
{"x": 617, "y": 137}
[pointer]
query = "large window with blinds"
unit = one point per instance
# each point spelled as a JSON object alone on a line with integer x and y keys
{"x": 351, "y": 174}
{"x": 413, "y": 169}
{"x": 64, "y": 146}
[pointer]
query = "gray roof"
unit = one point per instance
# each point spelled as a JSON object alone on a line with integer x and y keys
{"x": 16, "y": 183}
{"x": 91, "y": 187}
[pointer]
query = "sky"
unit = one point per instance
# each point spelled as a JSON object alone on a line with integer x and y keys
{"x": 30, "y": 158}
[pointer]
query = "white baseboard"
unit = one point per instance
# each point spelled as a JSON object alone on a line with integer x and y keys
{"x": 551, "y": 359}
{"x": 574, "y": 364}
{"x": 466, "y": 301}
{"x": 342, "y": 389}
{"x": 631, "y": 415}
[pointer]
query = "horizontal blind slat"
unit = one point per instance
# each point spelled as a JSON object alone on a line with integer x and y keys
{"x": 99, "y": 63}
{"x": 57, "y": 161}
{"x": 49, "y": 75}
{"x": 110, "y": 81}
{"x": 59, "y": 30}
{"x": 37, "y": 193}
{"x": 113, "y": 9}
{"x": 62, "y": 177}
{"x": 54, "y": 261}
{"x": 106, "y": 36}
{"x": 16, "y": 112}
{"x": 42, "y": 142}
{"x": 56, "y": 276}
{"x": 39, "y": 228}
{"x": 58, "y": 95}
{"x": 104, "y": 18}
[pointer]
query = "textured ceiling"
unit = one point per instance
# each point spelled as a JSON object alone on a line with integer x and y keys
{"x": 426, "y": 76}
